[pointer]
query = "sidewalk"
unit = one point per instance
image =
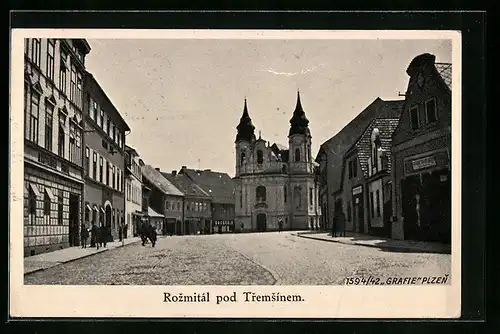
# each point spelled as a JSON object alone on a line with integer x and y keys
{"x": 52, "y": 259}
{"x": 391, "y": 245}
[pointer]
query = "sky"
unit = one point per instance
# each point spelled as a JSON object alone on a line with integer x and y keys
{"x": 183, "y": 98}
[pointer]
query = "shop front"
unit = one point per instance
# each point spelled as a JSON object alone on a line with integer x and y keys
{"x": 426, "y": 197}
{"x": 223, "y": 226}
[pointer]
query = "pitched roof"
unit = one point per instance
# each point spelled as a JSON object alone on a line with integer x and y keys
{"x": 157, "y": 179}
{"x": 219, "y": 186}
{"x": 444, "y": 70}
{"x": 386, "y": 127}
{"x": 349, "y": 134}
{"x": 186, "y": 185}
{"x": 153, "y": 213}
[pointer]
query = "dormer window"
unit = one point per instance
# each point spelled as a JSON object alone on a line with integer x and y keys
{"x": 260, "y": 157}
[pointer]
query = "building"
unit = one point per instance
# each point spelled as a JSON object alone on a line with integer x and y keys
{"x": 366, "y": 179}
{"x": 421, "y": 154}
{"x": 197, "y": 204}
{"x": 104, "y": 159}
{"x": 133, "y": 190}
{"x": 335, "y": 190}
{"x": 274, "y": 182}
{"x": 164, "y": 198}
{"x": 220, "y": 188}
{"x": 53, "y": 142}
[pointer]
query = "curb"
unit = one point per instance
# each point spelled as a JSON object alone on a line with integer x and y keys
{"x": 67, "y": 261}
{"x": 403, "y": 249}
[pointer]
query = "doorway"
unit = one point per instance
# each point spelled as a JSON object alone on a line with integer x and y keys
{"x": 261, "y": 222}
{"x": 74, "y": 230}
{"x": 359, "y": 224}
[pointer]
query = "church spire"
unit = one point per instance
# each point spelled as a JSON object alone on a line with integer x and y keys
{"x": 245, "y": 128}
{"x": 299, "y": 123}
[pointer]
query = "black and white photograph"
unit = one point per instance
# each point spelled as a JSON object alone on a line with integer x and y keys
{"x": 258, "y": 163}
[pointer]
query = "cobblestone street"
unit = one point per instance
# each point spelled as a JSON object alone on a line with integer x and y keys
{"x": 241, "y": 259}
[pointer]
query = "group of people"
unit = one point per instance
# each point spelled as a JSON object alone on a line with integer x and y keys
{"x": 146, "y": 231}
{"x": 99, "y": 236}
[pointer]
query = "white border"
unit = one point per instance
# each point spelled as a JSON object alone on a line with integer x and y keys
{"x": 436, "y": 301}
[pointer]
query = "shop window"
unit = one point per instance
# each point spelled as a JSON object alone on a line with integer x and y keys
{"x": 414, "y": 118}
{"x": 430, "y": 111}
{"x": 260, "y": 157}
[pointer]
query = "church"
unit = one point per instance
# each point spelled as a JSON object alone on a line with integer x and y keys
{"x": 275, "y": 183}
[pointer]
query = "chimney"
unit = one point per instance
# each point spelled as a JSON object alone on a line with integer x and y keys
{"x": 158, "y": 169}
{"x": 174, "y": 172}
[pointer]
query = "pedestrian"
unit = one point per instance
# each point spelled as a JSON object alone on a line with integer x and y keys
{"x": 242, "y": 226}
{"x": 334, "y": 225}
{"x": 341, "y": 223}
{"x": 84, "y": 234}
{"x": 125, "y": 231}
{"x": 103, "y": 235}
{"x": 280, "y": 226}
{"x": 93, "y": 235}
{"x": 120, "y": 232}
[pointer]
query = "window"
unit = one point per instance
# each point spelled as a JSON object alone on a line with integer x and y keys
{"x": 261, "y": 194}
{"x": 284, "y": 194}
{"x": 60, "y": 208}
{"x": 260, "y": 157}
{"x": 242, "y": 158}
{"x": 355, "y": 167}
{"x": 311, "y": 196}
{"x": 166, "y": 205}
{"x": 31, "y": 205}
{"x": 241, "y": 198}
{"x": 350, "y": 169}
{"x": 414, "y": 119}
{"x": 430, "y": 111}
{"x": 178, "y": 206}
{"x": 79, "y": 84}
{"x": 101, "y": 167}
{"x": 62, "y": 72}
{"x": 34, "y": 113}
{"x": 46, "y": 204}
{"x": 72, "y": 84}
{"x": 101, "y": 121}
{"x": 87, "y": 160}
{"x": 108, "y": 126}
{"x": 378, "y": 202}
{"x": 107, "y": 172}
{"x": 50, "y": 58}
{"x": 372, "y": 204}
{"x": 113, "y": 177}
{"x": 93, "y": 109}
{"x": 61, "y": 142}
{"x": 94, "y": 166}
{"x": 297, "y": 155}
{"x": 49, "y": 120}
{"x": 74, "y": 151}
{"x": 172, "y": 206}
{"x": 36, "y": 50}
{"x": 114, "y": 132}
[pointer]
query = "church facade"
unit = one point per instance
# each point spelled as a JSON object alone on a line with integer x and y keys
{"x": 273, "y": 182}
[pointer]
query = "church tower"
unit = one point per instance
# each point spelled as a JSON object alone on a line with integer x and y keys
{"x": 245, "y": 137}
{"x": 299, "y": 140}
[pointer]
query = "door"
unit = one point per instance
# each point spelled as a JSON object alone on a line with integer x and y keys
{"x": 261, "y": 222}
{"x": 410, "y": 206}
{"x": 436, "y": 195}
{"x": 359, "y": 224}
{"x": 74, "y": 215}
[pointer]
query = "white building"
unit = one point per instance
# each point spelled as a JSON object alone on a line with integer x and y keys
{"x": 274, "y": 182}
{"x": 133, "y": 191}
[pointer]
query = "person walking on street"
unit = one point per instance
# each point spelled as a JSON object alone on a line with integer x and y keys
{"x": 334, "y": 226}
{"x": 120, "y": 232}
{"x": 280, "y": 226}
{"x": 93, "y": 235}
{"x": 103, "y": 235}
{"x": 84, "y": 234}
{"x": 341, "y": 223}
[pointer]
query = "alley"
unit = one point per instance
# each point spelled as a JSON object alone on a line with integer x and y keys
{"x": 240, "y": 259}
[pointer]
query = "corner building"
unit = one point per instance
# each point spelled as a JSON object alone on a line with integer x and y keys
{"x": 53, "y": 143}
{"x": 274, "y": 182}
